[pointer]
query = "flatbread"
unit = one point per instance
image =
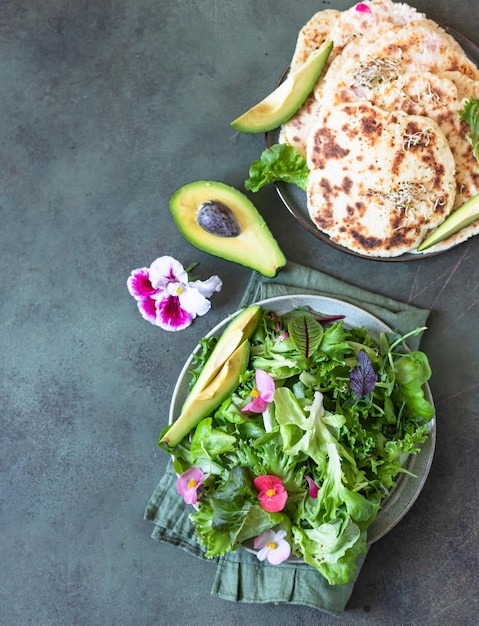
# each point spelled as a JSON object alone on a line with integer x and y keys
{"x": 369, "y": 188}
{"x": 400, "y": 62}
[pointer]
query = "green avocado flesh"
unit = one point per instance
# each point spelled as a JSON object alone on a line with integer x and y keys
{"x": 241, "y": 327}
{"x": 211, "y": 396}
{"x": 220, "y": 220}
{"x": 464, "y": 216}
{"x": 287, "y": 98}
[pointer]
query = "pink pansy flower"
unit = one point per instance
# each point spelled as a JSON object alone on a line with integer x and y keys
{"x": 188, "y": 483}
{"x": 165, "y": 296}
{"x": 272, "y": 494}
{"x": 262, "y": 395}
{"x": 313, "y": 487}
{"x": 272, "y": 546}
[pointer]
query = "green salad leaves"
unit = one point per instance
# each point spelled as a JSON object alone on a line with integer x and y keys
{"x": 280, "y": 162}
{"x": 345, "y": 413}
{"x": 470, "y": 114}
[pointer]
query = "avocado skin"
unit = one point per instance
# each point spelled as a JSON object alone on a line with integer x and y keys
{"x": 254, "y": 247}
{"x": 211, "y": 397}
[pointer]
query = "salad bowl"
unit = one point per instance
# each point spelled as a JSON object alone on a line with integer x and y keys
{"x": 408, "y": 484}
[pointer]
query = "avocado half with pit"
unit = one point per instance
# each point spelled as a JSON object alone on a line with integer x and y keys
{"x": 222, "y": 221}
{"x": 287, "y": 98}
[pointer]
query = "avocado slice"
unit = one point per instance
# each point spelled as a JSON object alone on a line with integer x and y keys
{"x": 221, "y": 220}
{"x": 241, "y": 327}
{"x": 210, "y": 397}
{"x": 287, "y": 98}
{"x": 464, "y": 216}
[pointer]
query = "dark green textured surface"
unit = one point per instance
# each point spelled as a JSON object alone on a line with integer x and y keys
{"x": 106, "y": 108}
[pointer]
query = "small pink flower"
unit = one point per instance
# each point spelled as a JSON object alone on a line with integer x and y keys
{"x": 313, "y": 487}
{"x": 272, "y": 494}
{"x": 363, "y": 8}
{"x": 165, "y": 296}
{"x": 272, "y": 546}
{"x": 188, "y": 484}
{"x": 262, "y": 395}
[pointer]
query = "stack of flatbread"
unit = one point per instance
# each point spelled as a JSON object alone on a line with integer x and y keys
{"x": 381, "y": 133}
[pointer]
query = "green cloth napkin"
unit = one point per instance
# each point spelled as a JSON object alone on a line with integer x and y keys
{"x": 298, "y": 279}
{"x": 240, "y": 577}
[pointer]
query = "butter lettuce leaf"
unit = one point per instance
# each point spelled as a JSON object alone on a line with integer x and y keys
{"x": 280, "y": 162}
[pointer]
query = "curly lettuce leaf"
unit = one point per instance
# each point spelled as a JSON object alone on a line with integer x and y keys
{"x": 470, "y": 114}
{"x": 280, "y": 162}
{"x": 337, "y": 522}
{"x": 307, "y": 434}
{"x": 332, "y": 551}
{"x": 231, "y": 514}
{"x": 207, "y": 443}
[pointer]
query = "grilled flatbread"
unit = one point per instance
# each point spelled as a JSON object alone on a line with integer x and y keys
{"x": 400, "y": 62}
{"x": 371, "y": 189}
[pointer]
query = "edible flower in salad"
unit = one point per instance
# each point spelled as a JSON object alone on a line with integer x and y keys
{"x": 313, "y": 487}
{"x": 272, "y": 494}
{"x": 272, "y": 546}
{"x": 189, "y": 484}
{"x": 263, "y": 393}
{"x": 166, "y": 297}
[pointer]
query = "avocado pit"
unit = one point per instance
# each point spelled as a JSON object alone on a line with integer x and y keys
{"x": 217, "y": 219}
{"x": 222, "y": 221}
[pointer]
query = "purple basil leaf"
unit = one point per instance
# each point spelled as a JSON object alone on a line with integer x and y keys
{"x": 363, "y": 378}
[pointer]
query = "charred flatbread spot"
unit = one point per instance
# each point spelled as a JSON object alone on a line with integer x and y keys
{"x": 324, "y": 218}
{"x": 365, "y": 241}
{"x": 360, "y": 208}
{"x": 345, "y": 95}
{"x": 413, "y": 128}
{"x": 371, "y": 128}
{"x": 346, "y": 184}
{"x": 437, "y": 169}
{"x": 326, "y": 187}
{"x": 326, "y": 143}
{"x": 397, "y": 222}
{"x": 398, "y": 159}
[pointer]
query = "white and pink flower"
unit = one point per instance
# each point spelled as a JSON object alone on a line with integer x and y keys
{"x": 262, "y": 394}
{"x": 272, "y": 546}
{"x": 166, "y": 297}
